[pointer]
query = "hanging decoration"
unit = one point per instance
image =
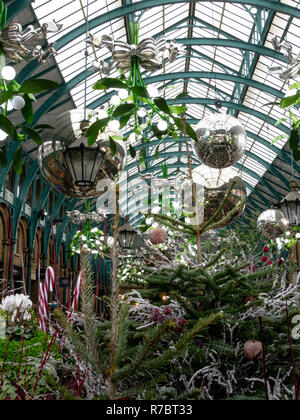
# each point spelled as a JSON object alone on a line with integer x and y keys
{"x": 44, "y": 289}
{"x": 222, "y": 140}
{"x": 217, "y": 185}
{"x": 14, "y": 47}
{"x": 290, "y": 206}
{"x": 152, "y": 54}
{"x": 157, "y": 236}
{"x": 138, "y": 107}
{"x": 73, "y": 166}
{"x": 253, "y": 350}
{"x": 79, "y": 218}
{"x": 272, "y": 223}
{"x": 293, "y": 69}
{"x": 19, "y": 44}
{"x": 77, "y": 291}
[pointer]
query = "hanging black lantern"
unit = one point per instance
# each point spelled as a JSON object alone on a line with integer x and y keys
{"x": 83, "y": 163}
{"x": 290, "y": 206}
{"x": 127, "y": 236}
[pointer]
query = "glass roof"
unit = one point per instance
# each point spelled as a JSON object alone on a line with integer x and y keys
{"x": 221, "y": 61}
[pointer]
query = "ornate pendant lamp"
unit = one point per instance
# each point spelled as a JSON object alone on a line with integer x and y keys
{"x": 290, "y": 206}
{"x": 83, "y": 163}
{"x": 127, "y": 236}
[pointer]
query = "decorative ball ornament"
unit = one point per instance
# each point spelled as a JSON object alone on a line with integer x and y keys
{"x": 222, "y": 140}
{"x": 272, "y": 223}
{"x": 253, "y": 350}
{"x": 212, "y": 187}
{"x": 18, "y": 102}
{"x": 8, "y": 73}
{"x": 69, "y": 164}
{"x": 157, "y": 236}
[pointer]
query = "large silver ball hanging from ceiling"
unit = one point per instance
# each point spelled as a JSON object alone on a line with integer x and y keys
{"x": 222, "y": 140}
{"x": 70, "y": 165}
{"x": 213, "y": 187}
{"x": 272, "y": 223}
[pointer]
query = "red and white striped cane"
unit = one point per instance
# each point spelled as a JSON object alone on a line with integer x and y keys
{"x": 44, "y": 290}
{"x": 76, "y": 296}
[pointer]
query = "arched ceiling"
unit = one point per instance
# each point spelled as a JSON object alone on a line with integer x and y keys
{"x": 228, "y": 54}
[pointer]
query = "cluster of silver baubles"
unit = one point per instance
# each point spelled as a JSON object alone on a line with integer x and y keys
{"x": 222, "y": 140}
{"x": 70, "y": 165}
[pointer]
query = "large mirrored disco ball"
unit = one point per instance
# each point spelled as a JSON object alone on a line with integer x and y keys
{"x": 70, "y": 165}
{"x": 222, "y": 140}
{"x": 272, "y": 223}
{"x": 216, "y": 184}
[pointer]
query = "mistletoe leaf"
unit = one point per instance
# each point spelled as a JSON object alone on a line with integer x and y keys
{"x": 108, "y": 83}
{"x": 17, "y": 161}
{"x": 32, "y": 134}
{"x": 38, "y": 86}
{"x": 123, "y": 109}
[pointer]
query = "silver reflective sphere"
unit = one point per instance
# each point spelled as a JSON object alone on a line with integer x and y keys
{"x": 215, "y": 196}
{"x": 272, "y": 223}
{"x": 212, "y": 186}
{"x": 222, "y": 141}
{"x": 70, "y": 165}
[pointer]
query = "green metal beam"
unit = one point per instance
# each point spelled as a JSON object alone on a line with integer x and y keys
{"x": 198, "y": 75}
{"x": 16, "y": 8}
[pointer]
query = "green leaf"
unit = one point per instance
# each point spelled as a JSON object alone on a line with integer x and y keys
{"x": 8, "y": 128}
{"x": 161, "y": 103}
{"x": 43, "y": 127}
{"x": 124, "y": 120}
{"x": 189, "y": 130}
{"x": 113, "y": 146}
{"x": 27, "y": 111}
{"x": 142, "y": 157}
{"x": 175, "y": 135}
{"x": 290, "y": 100}
{"x": 295, "y": 86}
{"x": 108, "y": 83}
{"x": 157, "y": 153}
{"x": 165, "y": 169}
{"x": 182, "y": 95}
{"x": 141, "y": 91}
{"x": 14, "y": 86}
{"x": 282, "y": 120}
{"x": 94, "y": 129}
{"x": 32, "y": 134}
{"x": 280, "y": 137}
{"x": 38, "y": 86}
{"x": 5, "y": 96}
{"x": 177, "y": 110}
{"x": 132, "y": 151}
{"x": 294, "y": 139}
{"x": 17, "y": 161}
{"x": 296, "y": 154}
{"x": 3, "y": 159}
{"x": 123, "y": 109}
{"x": 3, "y": 18}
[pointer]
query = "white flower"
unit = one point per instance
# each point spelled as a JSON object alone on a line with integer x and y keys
{"x": 16, "y": 305}
{"x": 94, "y": 230}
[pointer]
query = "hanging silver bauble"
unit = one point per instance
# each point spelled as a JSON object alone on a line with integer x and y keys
{"x": 215, "y": 184}
{"x": 222, "y": 140}
{"x": 272, "y": 223}
{"x": 69, "y": 164}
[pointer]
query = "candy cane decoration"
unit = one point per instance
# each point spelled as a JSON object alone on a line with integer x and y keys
{"x": 76, "y": 296}
{"x": 44, "y": 290}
